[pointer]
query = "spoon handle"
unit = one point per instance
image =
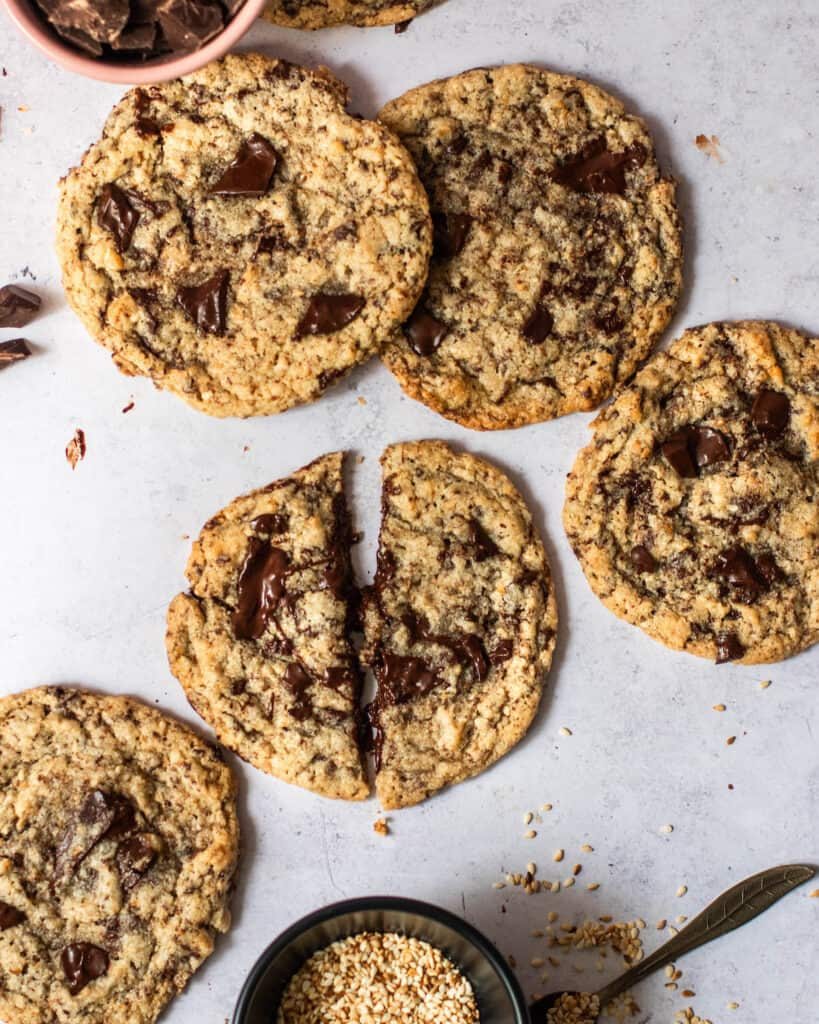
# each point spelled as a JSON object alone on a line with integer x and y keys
{"x": 733, "y": 908}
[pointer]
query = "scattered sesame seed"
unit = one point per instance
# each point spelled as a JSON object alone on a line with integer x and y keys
{"x": 546, "y": 807}
{"x": 565, "y": 731}
{"x": 671, "y": 985}
{"x": 731, "y": 740}
{"x": 537, "y": 961}
{"x": 661, "y": 924}
{"x": 555, "y": 886}
{"x": 530, "y": 834}
{"x": 732, "y": 1006}
{"x": 527, "y": 818}
{"x": 530, "y": 867}
{"x": 672, "y": 931}
{"x": 537, "y": 933}
{"x": 585, "y": 848}
{"x": 688, "y": 993}
{"x": 683, "y": 889}
{"x": 640, "y": 923}
{"x": 499, "y": 885}
{"x": 682, "y": 919}
{"x": 577, "y": 869}
{"x": 666, "y": 829}
{"x": 669, "y": 971}
{"x": 815, "y": 894}
{"x": 557, "y": 856}
{"x": 764, "y": 684}
{"x": 719, "y": 707}
{"x": 553, "y": 916}
{"x": 593, "y": 886}
{"x": 568, "y": 883}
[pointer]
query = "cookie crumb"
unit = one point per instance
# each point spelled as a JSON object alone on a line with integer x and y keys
{"x": 128, "y": 407}
{"x": 76, "y": 448}
{"x": 381, "y": 827}
{"x": 710, "y": 146}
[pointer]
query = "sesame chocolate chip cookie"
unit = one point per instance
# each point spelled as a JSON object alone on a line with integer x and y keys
{"x": 557, "y": 258}
{"x": 459, "y": 624}
{"x": 261, "y": 642}
{"x": 118, "y": 844}
{"x": 240, "y": 238}
{"x": 312, "y": 14}
{"x": 695, "y": 510}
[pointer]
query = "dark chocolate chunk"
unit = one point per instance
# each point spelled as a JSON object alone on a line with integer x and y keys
{"x": 189, "y": 24}
{"x": 136, "y": 37}
{"x": 98, "y": 20}
{"x": 117, "y": 214}
{"x": 483, "y": 545}
{"x": 597, "y": 170}
{"x": 451, "y": 233}
{"x": 338, "y": 678}
{"x": 424, "y": 332}
{"x": 739, "y": 569}
{"x": 270, "y": 523}
{"x": 134, "y": 858}
{"x": 251, "y": 172}
{"x": 298, "y": 682}
{"x": 82, "y": 963}
{"x": 693, "y": 448}
{"x": 260, "y": 589}
{"x": 502, "y": 651}
{"x": 677, "y": 454}
{"x": 471, "y": 651}
{"x": 9, "y": 916}
{"x": 18, "y": 306}
{"x": 642, "y": 559}
{"x": 329, "y": 313}
{"x": 206, "y": 303}
{"x": 538, "y": 326}
{"x": 80, "y": 39}
{"x": 728, "y": 648}
{"x": 102, "y": 815}
{"x": 402, "y": 679}
{"x": 771, "y": 413}
{"x": 710, "y": 446}
{"x": 13, "y": 351}
{"x": 767, "y": 568}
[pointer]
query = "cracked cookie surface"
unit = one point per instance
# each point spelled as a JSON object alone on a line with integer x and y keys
{"x": 459, "y": 624}
{"x": 241, "y": 239}
{"x": 312, "y": 14}
{"x": 118, "y": 844}
{"x": 557, "y": 259}
{"x": 694, "y": 512}
{"x": 261, "y": 642}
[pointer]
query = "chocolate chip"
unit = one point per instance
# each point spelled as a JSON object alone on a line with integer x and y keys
{"x": 693, "y": 448}
{"x": 189, "y": 24}
{"x": 260, "y": 589}
{"x": 642, "y": 559}
{"x": 483, "y": 545}
{"x": 771, "y": 413}
{"x": 327, "y": 313}
{"x": 206, "y": 303}
{"x": 18, "y": 306}
{"x": 538, "y": 326}
{"x": 678, "y": 456}
{"x": 502, "y": 651}
{"x": 270, "y": 523}
{"x": 82, "y": 963}
{"x": 13, "y": 351}
{"x": 728, "y": 648}
{"x": 9, "y": 916}
{"x": 424, "y": 332}
{"x": 451, "y": 232}
{"x": 739, "y": 569}
{"x": 117, "y": 214}
{"x": 298, "y": 682}
{"x": 134, "y": 858}
{"x": 402, "y": 679}
{"x": 251, "y": 171}
{"x": 710, "y": 447}
{"x": 598, "y": 170}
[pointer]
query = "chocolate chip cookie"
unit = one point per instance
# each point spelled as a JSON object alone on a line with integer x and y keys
{"x": 557, "y": 259}
{"x": 313, "y": 14}
{"x": 261, "y": 642}
{"x": 459, "y": 625}
{"x": 695, "y": 510}
{"x": 241, "y": 239}
{"x": 118, "y": 844}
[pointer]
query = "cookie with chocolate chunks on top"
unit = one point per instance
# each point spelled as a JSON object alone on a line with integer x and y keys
{"x": 241, "y": 239}
{"x": 261, "y": 642}
{"x": 558, "y": 254}
{"x": 694, "y": 512}
{"x": 459, "y": 625}
{"x": 313, "y": 14}
{"x": 118, "y": 847}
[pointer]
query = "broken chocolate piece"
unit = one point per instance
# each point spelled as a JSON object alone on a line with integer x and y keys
{"x": 134, "y": 858}
{"x": 402, "y": 679}
{"x": 451, "y": 233}
{"x": 642, "y": 559}
{"x": 260, "y": 589}
{"x": 740, "y": 570}
{"x": 251, "y": 172}
{"x": 771, "y": 413}
{"x": 710, "y": 446}
{"x": 693, "y": 448}
{"x": 482, "y": 543}
{"x": 502, "y": 651}
{"x": 424, "y": 332}
{"x": 677, "y": 454}
{"x": 298, "y": 682}
{"x": 189, "y": 24}
{"x": 13, "y": 351}
{"x": 117, "y": 214}
{"x": 9, "y": 916}
{"x": 538, "y": 326}
{"x": 728, "y": 648}
{"x": 471, "y": 652}
{"x": 327, "y": 313}
{"x": 98, "y": 20}
{"x": 206, "y": 303}
{"x": 596, "y": 169}
{"x": 101, "y": 816}
{"x": 18, "y": 306}
{"x": 82, "y": 962}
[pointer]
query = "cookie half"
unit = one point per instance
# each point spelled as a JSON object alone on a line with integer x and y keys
{"x": 261, "y": 642}
{"x": 459, "y": 625}
{"x": 695, "y": 510}
{"x": 240, "y": 238}
{"x": 312, "y": 14}
{"x": 118, "y": 844}
{"x": 557, "y": 260}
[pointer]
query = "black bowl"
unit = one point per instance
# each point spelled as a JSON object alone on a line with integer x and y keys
{"x": 499, "y": 996}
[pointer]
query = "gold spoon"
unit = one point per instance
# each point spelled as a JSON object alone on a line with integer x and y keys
{"x": 733, "y": 908}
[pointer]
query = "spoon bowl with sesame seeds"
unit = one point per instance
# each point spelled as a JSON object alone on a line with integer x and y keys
{"x": 735, "y": 907}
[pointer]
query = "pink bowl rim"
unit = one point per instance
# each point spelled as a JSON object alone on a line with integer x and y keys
{"x": 162, "y": 69}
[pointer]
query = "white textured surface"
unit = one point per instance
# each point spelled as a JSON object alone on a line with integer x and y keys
{"x": 90, "y": 559}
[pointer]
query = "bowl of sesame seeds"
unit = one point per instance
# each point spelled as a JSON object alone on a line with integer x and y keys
{"x": 381, "y": 960}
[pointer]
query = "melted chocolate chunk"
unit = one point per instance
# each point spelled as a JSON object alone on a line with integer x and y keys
{"x": 642, "y": 559}
{"x": 9, "y": 916}
{"x": 710, "y": 447}
{"x": 739, "y": 569}
{"x": 206, "y": 303}
{"x": 135, "y": 857}
{"x": 692, "y": 448}
{"x": 597, "y": 170}
{"x": 270, "y": 523}
{"x": 502, "y": 651}
{"x": 339, "y": 678}
{"x": 451, "y": 233}
{"x": 424, "y": 332}
{"x": 82, "y": 963}
{"x": 767, "y": 568}
{"x": 101, "y": 816}
{"x": 334, "y": 576}
{"x": 538, "y": 326}
{"x": 327, "y": 314}
{"x": 260, "y": 587}
{"x": 471, "y": 651}
{"x": 251, "y": 172}
{"x": 483, "y": 545}
{"x": 728, "y": 648}
{"x": 771, "y": 413}
{"x": 403, "y": 679}
{"x": 13, "y": 351}
{"x": 117, "y": 214}
{"x": 298, "y": 682}
{"x": 18, "y": 306}
{"x": 677, "y": 454}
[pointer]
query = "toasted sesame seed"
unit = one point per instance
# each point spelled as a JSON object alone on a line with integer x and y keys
{"x": 527, "y": 818}
{"x": 666, "y": 829}
{"x": 731, "y": 740}
{"x": 764, "y": 684}
{"x": 530, "y": 834}
{"x": 689, "y": 993}
{"x": 555, "y": 886}
{"x": 499, "y": 885}
{"x": 673, "y": 931}
{"x": 537, "y": 961}
{"x": 546, "y": 807}
{"x": 512, "y": 961}
{"x": 530, "y": 867}
{"x": 683, "y": 889}
{"x": 719, "y": 707}
{"x": 585, "y": 848}
{"x": 557, "y": 856}
{"x": 565, "y": 730}
{"x": 671, "y": 985}
{"x": 669, "y": 971}
{"x": 593, "y": 886}
{"x": 661, "y": 924}
{"x": 732, "y": 1006}
{"x": 640, "y": 923}
{"x": 553, "y": 916}
{"x": 682, "y": 919}
{"x": 537, "y": 933}
{"x": 568, "y": 883}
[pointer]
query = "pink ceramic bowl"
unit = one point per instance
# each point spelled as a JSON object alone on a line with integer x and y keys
{"x": 32, "y": 24}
